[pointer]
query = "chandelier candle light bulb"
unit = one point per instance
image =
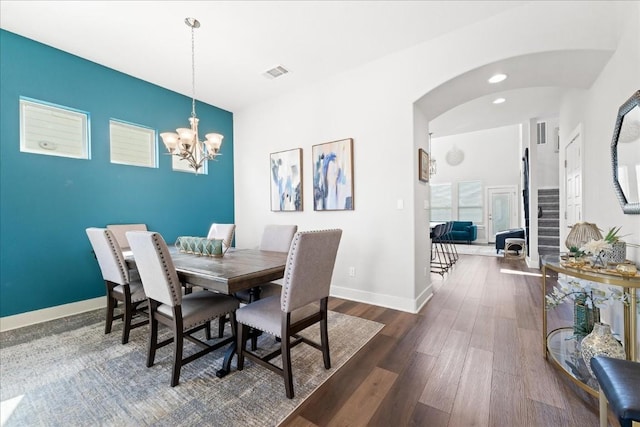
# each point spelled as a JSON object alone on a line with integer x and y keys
{"x": 185, "y": 144}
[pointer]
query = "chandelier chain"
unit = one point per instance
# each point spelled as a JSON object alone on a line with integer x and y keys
{"x": 193, "y": 72}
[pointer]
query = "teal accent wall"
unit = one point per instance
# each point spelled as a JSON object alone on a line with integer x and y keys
{"x": 47, "y": 202}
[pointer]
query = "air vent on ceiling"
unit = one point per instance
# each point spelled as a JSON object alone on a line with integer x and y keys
{"x": 542, "y": 133}
{"x": 275, "y": 72}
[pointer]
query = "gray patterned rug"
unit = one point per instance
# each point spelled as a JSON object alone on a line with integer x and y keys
{"x": 68, "y": 373}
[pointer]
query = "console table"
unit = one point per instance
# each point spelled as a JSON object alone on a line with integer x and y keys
{"x": 564, "y": 351}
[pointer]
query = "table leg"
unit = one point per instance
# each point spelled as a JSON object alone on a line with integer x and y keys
{"x": 226, "y": 363}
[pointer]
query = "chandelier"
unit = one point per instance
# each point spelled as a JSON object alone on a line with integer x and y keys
{"x": 432, "y": 161}
{"x": 186, "y": 144}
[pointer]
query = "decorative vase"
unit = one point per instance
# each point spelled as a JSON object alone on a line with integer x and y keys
{"x": 584, "y": 317}
{"x": 600, "y": 342}
{"x": 617, "y": 254}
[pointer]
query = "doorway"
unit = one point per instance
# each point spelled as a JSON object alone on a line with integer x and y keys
{"x": 573, "y": 178}
{"x": 502, "y": 212}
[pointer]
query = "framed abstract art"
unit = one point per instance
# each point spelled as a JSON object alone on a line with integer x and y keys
{"x": 286, "y": 180}
{"x": 333, "y": 175}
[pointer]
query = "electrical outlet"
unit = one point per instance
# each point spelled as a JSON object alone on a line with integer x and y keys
{"x": 352, "y": 272}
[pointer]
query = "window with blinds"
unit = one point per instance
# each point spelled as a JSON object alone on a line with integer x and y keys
{"x": 53, "y": 130}
{"x": 441, "y": 202}
{"x": 470, "y": 206}
{"x": 133, "y": 145}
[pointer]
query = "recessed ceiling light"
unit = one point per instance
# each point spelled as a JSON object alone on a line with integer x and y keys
{"x": 499, "y": 100}
{"x": 497, "y": 78}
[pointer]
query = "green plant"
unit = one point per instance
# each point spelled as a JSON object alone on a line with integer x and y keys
{"x": 575, "y": 251}
{"x": 612, "y": 235}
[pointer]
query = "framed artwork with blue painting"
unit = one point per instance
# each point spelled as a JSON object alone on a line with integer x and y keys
{"x": 286, "y": 180}
{"x": 333, "y": 175}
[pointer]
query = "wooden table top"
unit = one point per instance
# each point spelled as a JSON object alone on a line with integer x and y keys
{"x": 239, "y": 269}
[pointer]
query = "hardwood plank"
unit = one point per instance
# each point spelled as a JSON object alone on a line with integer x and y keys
{"x": 506, "y": 337}
{"x": 301, "y": 422}
{"x": 406, "y": 345}
{"x": 424, "y": 415}
{"x": 320, "y": 407}
{"x": 399, "y": 326}
{"x": 359, "y": 408}
{"x": 540, "y": 378}
{"x": 483, "y": 333}
{"x": 466, "y": 318}
{"x": 437, "y": 333}
{"x": 440, "y": 390}
{"x": 398, "y": 405}
{"x": 472, "y": 403}
{"x": 508, "y": 401}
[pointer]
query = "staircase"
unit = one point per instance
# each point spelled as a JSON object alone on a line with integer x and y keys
{"x": 549, "y": 222}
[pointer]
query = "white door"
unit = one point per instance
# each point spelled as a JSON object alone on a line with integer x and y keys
{"x": 573, "y": 179}
{"x": 501, "y": 210}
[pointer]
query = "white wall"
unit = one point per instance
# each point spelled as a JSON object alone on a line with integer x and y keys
{"x": 374, "y": 105}
{"x": 491, "y": 156}
{"x": 597, "y": 109}
{"x": 548, "y": 157}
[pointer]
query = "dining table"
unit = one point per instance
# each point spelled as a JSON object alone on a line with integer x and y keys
{"x": 237, "y": 270}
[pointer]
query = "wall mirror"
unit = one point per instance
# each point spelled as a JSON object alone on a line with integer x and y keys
{"x": 625, "y": 155}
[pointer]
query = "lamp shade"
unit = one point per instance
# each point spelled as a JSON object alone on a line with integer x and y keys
{"x": 581, "y": 233}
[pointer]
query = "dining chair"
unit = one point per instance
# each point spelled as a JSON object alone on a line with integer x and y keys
{"x": 120, "y": 286}
{"x": 302, "y": 303}
{"x": 223, "y": 232}
{"x": 120, "y": 230}
{"x": 275, "y": 238}
{"x": 184, "y": 314}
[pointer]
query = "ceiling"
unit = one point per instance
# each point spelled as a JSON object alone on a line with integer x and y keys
{"x": 239, "y": 40}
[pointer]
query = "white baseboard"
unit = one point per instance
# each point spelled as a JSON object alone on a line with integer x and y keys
{"x": 388, "y": 301}
{"x": 37, "y": 316}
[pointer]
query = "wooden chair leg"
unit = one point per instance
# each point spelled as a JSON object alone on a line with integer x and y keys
{"x": 127, "y": 316}
{"x": 242, "y": 338}
{"x": 153, "y": 339}
{"x": 110, "y": 308}
{"x": 324, "y": 341}
{"x": 207, "y": 331}
{"x": 177, "y": 357}
{"x": 286, "y": 365}
{"x": 221, "y": 322}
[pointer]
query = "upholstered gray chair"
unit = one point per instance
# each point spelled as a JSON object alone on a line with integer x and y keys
{"x": 275, "y": 238}
{"x": 186, "y": 314}
{"x": 120, "y": 286}
{"x": 224, "y": 232}
{"x": 302, "y": 303}
{"x": 119, "y": 231}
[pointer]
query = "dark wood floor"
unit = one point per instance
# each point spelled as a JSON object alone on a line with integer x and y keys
{"x": 473, "y": 356}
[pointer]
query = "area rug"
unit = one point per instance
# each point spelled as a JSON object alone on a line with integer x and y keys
{"x": 83, "y": 377}
{"x": 478, "y": 249}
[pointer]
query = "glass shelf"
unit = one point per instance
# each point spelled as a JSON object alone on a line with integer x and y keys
{"x": 564, "y": 351}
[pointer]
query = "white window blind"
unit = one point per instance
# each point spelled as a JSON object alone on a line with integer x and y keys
{"x": 53, "y": 130}
{"x": 132, "y": 144}
{"x": 441, "y": 202}
{"x": 470, "y": 201}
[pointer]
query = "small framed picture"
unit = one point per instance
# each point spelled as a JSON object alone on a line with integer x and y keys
{"x": 423, "y": 165}
{"x": 333, "y": 176}
{"x": 286, "y": 180}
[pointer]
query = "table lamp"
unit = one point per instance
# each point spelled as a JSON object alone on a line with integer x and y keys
{"x": 581, "y": 233}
